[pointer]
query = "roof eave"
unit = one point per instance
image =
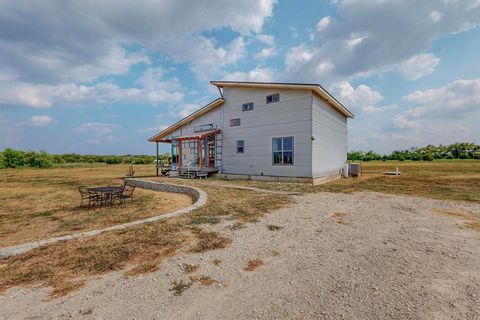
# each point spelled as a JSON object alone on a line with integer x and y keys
{"x": 205, "y": 109}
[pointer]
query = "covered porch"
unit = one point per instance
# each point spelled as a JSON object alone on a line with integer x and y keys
{"x": 192, "y": 155}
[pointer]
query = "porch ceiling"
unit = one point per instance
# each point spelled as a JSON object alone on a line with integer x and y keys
{"x": 195, "y": 136}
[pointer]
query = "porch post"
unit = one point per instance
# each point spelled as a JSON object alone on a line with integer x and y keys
{"x": 156, "y": 162}
{"x": 199, "y": 141}
{"x": 179, "y": 161}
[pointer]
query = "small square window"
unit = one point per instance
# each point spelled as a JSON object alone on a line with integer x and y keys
{"x": 240, "y": 146}
{"x": 273, "y": 98}
{"x": 247, "y": 106}
{"x": 234, "y": 122}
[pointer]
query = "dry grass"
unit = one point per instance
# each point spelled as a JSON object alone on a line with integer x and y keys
{"x": 179, "y": 287}
{"x": 190, "y": 268}
{"x": 37, "y": 204}
{"x": 273, "y": 227}
{"x": 445, "y": 180}
{"x": 470, "y": 220}
{"x": 253, "y": 264}
{"x": 68, "y": 265}
{"x": 64, "y": 264}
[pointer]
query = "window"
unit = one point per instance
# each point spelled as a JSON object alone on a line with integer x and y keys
{"x": 234, "y": 122}
{"x": 240, "y": 146}
{"x": 273, "y": 98}
{"x": 247, "y": 106}
{"x": 283, "y": 151}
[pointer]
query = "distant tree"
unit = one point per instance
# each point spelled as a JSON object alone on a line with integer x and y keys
{"x": 13, "y": 158}
{"x": 39, "y": 160}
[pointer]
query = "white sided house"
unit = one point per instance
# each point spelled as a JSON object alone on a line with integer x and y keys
{"x": 257, "y": 130}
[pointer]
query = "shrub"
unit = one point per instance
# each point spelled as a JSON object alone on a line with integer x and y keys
{"x": 13, "y": 158}
{"x": 39, "y": 160}
{"x": 144, "y": 160}
{"x": 113, "y": 160}
{"x": 1, "y": 160}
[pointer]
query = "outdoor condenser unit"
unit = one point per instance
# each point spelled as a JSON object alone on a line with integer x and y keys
{"x": 355, "y": 169}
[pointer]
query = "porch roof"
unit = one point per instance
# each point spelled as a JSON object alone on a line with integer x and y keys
{"x": 195, "y": 136}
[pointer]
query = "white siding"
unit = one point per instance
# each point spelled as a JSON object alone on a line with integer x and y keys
{"x": 212, "y": 117}
{"x": 329, "y": 129}
{"x": 289, "y": 117}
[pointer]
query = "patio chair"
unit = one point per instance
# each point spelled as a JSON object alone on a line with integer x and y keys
{"x": 93, "y": 199}
{"x": 126, "y": 194}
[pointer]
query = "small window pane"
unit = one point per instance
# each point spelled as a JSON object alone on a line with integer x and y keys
{"x": 247, "y": 106}
{"x": 287, "y": 144}
{"x": 277, "y": 144}
{"x": 240, "y": 146}
{"x": 288, "y": 157}
{"x": 277, "y": 158}
{"x": 273, "y": 98}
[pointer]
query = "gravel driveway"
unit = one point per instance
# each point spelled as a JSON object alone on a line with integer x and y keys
{"x": 338, "y": 256}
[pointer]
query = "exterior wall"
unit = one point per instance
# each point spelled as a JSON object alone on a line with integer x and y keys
{"x": 329, "y": 130}
{"x": 212, "y": 117}
{"x": 291, "y": 116}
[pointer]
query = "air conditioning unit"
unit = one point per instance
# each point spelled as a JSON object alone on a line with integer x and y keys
{"x": 354, "y": 169}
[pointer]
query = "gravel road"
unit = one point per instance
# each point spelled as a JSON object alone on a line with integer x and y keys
{"x": 337, "y": 256}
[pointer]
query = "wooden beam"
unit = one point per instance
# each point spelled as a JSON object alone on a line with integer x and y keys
{"x": 156, "y": 163}
{"x": 199, "y": 141}
{"x": 179, "y": 162}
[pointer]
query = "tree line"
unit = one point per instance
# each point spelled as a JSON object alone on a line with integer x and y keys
{"x": 10, "y": 158}
{"x": 459, "y": 150}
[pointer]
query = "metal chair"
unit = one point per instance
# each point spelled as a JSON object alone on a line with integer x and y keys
{"x": 93, "y": 199}
{"x": 126, "y": 194}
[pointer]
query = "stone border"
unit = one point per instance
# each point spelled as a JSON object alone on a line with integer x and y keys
{"x": 199, "y": 196}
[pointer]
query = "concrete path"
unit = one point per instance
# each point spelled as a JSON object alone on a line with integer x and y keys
{"x": 199, "y": 195}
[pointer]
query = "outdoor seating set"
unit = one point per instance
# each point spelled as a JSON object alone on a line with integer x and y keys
{"x": 98, "y": 197}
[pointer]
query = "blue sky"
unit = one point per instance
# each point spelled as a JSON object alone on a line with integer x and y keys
{"x": 103, "y": 76}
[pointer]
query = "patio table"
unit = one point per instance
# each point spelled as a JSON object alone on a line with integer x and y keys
{"x": 107, "y": 193}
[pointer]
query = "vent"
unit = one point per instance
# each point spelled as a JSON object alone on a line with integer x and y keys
{"x": 234, "y": 122}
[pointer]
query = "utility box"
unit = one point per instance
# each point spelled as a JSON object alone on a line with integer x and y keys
{"x": 355, "y": 169}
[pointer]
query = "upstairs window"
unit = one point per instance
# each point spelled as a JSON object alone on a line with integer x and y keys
{"x": 240, "y": 146}
{"x": 273, "y": 98}
{"x": 282, "y": 151}
{"x": 234, "y": 122}
{"x": 247, "y": 106}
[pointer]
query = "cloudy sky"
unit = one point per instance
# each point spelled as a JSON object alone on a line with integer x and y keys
{"x": 102, "y": 76}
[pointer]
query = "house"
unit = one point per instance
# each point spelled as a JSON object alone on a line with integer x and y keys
{"x": 258, "y": 130}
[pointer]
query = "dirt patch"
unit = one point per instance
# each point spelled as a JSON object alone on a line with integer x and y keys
{"x": 253, "y": 264}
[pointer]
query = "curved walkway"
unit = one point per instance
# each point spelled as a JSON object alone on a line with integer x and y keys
{"x": 197, "y": 194}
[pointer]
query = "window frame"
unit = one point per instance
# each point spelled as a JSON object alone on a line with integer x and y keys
{"x": 235, "y": 125}
{"x": 249, "y": 106}
{"x": 282, "y": 151}
{"x": 272, "y": 96}
{"x": 242, "y": 146}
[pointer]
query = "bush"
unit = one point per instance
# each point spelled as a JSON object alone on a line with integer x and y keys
{"x": 39, "y": 160}
{"x": 113, "y": 160}
{"x": 13, "y": 158}
{"x": 144, "y": 160}
{"x": 1, "y": 160}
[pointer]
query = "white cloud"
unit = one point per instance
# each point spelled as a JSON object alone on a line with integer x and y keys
{"x": 323, "y": 23}
{"x": 297, "y": 56}
{"x": 267, "y": 39}
{"x": 459, "y": 98}
{"x": 42, "y": 121}
{"x": 187, "y": 109}
{"x": 151, "y": 89}
{"x": 96, "y": 128}
{"x": 402, "y": 122}
{"x": 365, "y": 38}
{"x": 257, "y": 74}
{"x": 357, "y": 98}
{"x": 375, "y": 109}
{"x": 436, "y": 16}
{"x": 419, "y": 66}
{"x": 153, "y": 129}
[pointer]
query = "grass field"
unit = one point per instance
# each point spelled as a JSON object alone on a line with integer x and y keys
{"x": 33, "y": 200}
{"x": 27, "y": 193}
{"x": 446, "y": 179}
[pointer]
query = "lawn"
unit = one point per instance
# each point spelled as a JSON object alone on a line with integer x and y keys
{"x": 65, "y": 265}
{"x": 444, "y": 180}
{"x": 41, "y": 203}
